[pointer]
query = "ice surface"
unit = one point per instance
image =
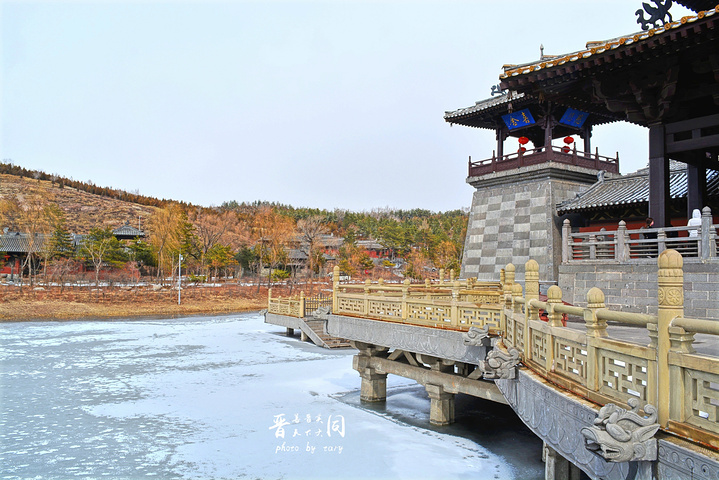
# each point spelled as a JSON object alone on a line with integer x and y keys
{"x": 204, "y": 397}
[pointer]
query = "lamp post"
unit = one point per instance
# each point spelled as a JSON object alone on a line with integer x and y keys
{"x": 179, "y": 279}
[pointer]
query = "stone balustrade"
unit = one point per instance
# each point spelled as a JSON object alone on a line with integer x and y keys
{"x": 622, "y": 245}
{"x": 455, "y": 305}
{"x": 665, "y": 372}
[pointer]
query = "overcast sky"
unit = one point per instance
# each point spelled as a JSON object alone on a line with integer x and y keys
{"x": 329, "y": 104}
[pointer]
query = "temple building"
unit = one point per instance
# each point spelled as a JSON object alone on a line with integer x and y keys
{"x": 665, "y": 79}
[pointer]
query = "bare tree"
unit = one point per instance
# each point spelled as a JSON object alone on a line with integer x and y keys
{"x": 311, "y": 230}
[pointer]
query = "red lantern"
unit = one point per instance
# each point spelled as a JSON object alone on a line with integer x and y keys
{"x": 565, "y": 149}
{"x": 568, "y": 140}
{"x": 523, "y": 140}
{"x": 521, "y": 150}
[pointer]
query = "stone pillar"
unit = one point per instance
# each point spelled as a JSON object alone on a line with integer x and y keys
{"x": 374, "y": 386}
{"x": 671, "y": 305}
{"x": 707, "y": 247}
{"x": 556, "y": 467}
{"x": 374, "y": 383}
{"x": 441, "y": 410}
{"x": 303, "y": 336}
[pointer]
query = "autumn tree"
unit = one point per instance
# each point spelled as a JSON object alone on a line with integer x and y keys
{"x": 166, "y": 236}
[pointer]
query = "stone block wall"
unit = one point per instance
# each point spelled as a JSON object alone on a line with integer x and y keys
{"x": 513, "y": 219}
{"x": 633, "y": 288}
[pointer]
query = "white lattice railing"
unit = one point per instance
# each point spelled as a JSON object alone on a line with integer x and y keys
{"x": 697, "y": 243}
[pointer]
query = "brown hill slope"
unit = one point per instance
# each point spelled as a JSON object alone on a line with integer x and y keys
{"x": 83, "y": 210}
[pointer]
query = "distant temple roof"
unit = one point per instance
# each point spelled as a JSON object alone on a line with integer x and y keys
{"x": 15, "y": 242}
{"x": 127, "y": 231}
{"x": 633, "y": 189}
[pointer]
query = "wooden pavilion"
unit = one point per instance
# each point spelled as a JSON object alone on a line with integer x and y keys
{"x": 665, "y": 78}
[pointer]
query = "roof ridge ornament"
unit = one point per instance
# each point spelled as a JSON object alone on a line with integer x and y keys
{"x": 656, "y": 14}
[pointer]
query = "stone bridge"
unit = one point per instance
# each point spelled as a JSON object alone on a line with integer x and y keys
{"x": 617, "y": 395}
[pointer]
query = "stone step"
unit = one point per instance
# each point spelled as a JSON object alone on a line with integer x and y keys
{"x": 318, "y": 326}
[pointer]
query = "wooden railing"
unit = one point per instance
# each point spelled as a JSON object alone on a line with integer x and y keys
{"x": 641, "y": 245}
{"x": 665, "y": 372}
{"x": 542, "y": 155}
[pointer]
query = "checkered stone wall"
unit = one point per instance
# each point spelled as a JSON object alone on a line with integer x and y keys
{"x": 513, "y": 219}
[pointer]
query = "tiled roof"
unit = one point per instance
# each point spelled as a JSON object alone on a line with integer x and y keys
{"x": 127, "y": 230}
{"x": 633, "y": 189}
{"x": 14, "y": 242}
{"x": 595, "y": 48}
{"x": 485, "y": 104}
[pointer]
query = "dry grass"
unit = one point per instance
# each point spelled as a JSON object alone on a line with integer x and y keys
{"x": 106, "y": 303}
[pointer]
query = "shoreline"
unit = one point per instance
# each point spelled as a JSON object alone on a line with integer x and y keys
{"x": 110, "y": 304}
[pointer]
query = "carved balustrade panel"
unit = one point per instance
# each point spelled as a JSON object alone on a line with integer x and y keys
{"x": 570, "y": 359}
{"x": 702, "y": 405}
{"x": 350, "y": 305}
{"x": 479, "y": 317}
{"x": 538, "y": 346}
{"x": 385, "y": 309}
{"x": 623, "y": 376}
{"x": 428, "y": 314}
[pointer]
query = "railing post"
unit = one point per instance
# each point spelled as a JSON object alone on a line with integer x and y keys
{"x": 706, "y": 249}
{"x": 427, "y": 285}
{"x": 302, "y": 304}
{"x": 509, "y": 275}
{"x": 596, "y": 328}
{"x": 405, "y": 294}
{"x": 661, "y": 241}
{"x": 454, "y": 311}
{"x": 621, "y": 253}
{"x": 335, "y": 288}
{"x": 516, "y": 294}
{"x": 367, "y": 284}
{"x": 554, "y": 297}
{"x": 451, "y": 274}
{"x": 592, "y": 247}
{"x": 531, "y": 289}
{"x": 670, "y": 297}
{"x": 517, "y": 309}
{"x": 680, "y": 342}
{"x": 566, "y": 232}
{"x": 441, "y": 276}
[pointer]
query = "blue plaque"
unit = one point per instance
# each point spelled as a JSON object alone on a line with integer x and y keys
{"x": 518, "y": 119}
{"x": 574, "y": 118}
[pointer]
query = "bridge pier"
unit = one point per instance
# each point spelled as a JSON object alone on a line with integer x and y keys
{"x": 556, "y": 467}
{"x": 290, "y": 332}
{"x": 441, "y": 409}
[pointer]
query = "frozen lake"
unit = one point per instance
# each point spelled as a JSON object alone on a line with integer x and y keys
{"x": 227, "y": 397}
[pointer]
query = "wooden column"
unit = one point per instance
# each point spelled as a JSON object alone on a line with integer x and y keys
{"x": 586, "y": 135}
{"x": 502, "y": 134}
{"x": 696, "y": 188}
{"x": 658, "y": 177}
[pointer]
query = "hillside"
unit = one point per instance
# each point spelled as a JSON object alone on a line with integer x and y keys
{"x": 83, "y": 210}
